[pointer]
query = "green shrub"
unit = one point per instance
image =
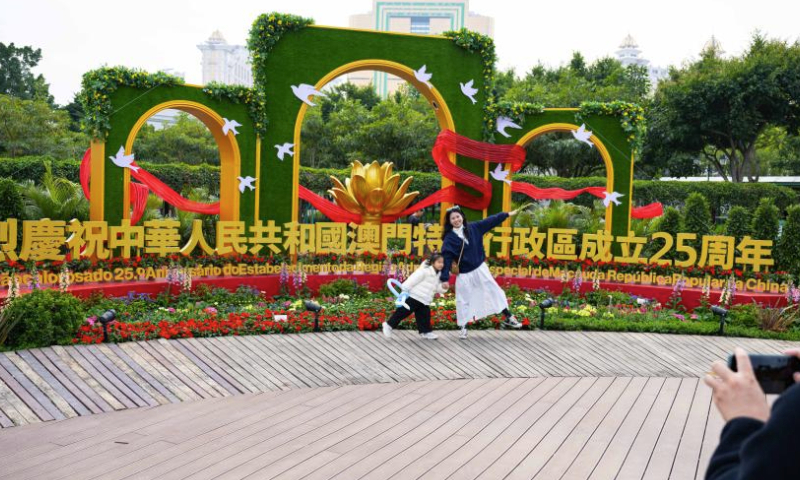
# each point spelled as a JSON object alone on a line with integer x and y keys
{"x": 670, "y": 222}
{"x": 787, "y": 251}
{"x": 697, "y": 215}
{"x": 739, "y": 223}
{"x": 766, "y": 221}
{"x": 349, "y": 287}
{"x": 12, "y": 205}
{"x": 42, "y": 318}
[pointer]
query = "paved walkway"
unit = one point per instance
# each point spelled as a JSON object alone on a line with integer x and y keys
{"x": 352, "y": 405}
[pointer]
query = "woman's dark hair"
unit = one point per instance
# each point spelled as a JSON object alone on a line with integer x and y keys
{"x": 448, "y": 227}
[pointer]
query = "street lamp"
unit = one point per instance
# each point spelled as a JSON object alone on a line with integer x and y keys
{"x": 544, "y": 305}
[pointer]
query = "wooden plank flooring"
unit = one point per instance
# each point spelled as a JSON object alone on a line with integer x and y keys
{"x": 63, "y": 382}
{"x": 351, "y": 405}
{"x": 519, "y": 428}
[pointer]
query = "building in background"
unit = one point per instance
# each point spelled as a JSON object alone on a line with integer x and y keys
{"x": 166, "y": 118}
{"x": 224, "y": 63}
{"x": 422, "y": 17}
{"x": 630, "y": 54}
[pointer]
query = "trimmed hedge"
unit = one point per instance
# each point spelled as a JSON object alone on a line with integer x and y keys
{"x": 721, "y": 196}
{"x": 177, "y": 175}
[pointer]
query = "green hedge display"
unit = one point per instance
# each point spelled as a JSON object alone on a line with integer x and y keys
{"x": 306, "y": 55}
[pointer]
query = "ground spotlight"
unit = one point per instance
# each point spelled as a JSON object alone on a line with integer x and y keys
{"x": 312, "y": 306}
{"x": 547, "y": 303}
{"x": 106, "y": 318}
{"x": 722, "y": 313}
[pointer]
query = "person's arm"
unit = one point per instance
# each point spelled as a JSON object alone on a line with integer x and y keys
{"x": 413, "y": 280}
{"x": 449, "y": 258}
{"x": 726, "y": 462}
{"x": 490, "y": 222}
{"x": 767, "y": 450}
{"x": 742, "y": 404}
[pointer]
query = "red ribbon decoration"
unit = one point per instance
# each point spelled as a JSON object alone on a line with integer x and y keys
{"x": 140, "y": 191}
{"x": 447, "y": 143}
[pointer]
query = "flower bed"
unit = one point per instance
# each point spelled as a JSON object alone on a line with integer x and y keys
{"x": 207, "y": 312}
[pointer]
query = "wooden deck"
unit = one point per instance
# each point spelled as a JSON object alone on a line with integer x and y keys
{"x": 352, "y": 405}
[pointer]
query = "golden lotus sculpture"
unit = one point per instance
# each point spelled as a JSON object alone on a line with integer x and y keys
{"x": 372, "y": 191}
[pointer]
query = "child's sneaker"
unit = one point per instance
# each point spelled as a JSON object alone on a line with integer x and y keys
{"x": 387, "y": 330}
{"x": 511, "y": 322}
{"x": 429, "y": 336}
{"x": 462, "y": 334}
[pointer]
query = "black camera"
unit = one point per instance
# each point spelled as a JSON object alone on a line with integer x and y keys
{"x": 775, "y": 373}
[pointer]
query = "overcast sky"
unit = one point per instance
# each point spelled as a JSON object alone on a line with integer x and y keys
{"x": 79, "y": 35}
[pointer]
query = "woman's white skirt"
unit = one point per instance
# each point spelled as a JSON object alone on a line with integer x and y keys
{"x": 478, "y": 295}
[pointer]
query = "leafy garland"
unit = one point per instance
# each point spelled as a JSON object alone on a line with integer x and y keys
{"x": 239, "y": 94}
{"x": 631, "y": 118}
{"x": 514, "y": 110}
{"x": 265, "y": 33}
{"x": 98, "y": 85}
{"x": 484, "y": 46}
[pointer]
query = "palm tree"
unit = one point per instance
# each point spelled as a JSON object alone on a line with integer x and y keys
{"x": 55, "y": 198}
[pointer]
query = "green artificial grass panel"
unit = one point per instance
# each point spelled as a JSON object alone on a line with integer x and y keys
{"x": 130, "y": 104}
{"x": 306, "y": 56}
{"x": 609, "y": 131}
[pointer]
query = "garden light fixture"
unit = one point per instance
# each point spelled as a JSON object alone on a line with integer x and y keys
{"x": 722, "y": 313}
{"x": 312, "y": 306}
{"x": 106, "y": 318}
{"x": 547, "y": 303}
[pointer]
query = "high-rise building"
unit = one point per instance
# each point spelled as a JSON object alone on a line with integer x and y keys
{"x": 423, "y": 17}
{"x": 224, "y": 63}
{"x": 630, "y": 54}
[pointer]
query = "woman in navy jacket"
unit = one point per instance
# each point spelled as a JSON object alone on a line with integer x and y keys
{"x": 477, "y": 293}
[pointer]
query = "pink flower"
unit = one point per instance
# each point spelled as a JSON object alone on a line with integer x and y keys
{"x": 210, "y": 310}
{"x": 91, "y": 320}
{"x": 693, "y": 316}
{"x": 171, "y": 310}
{"x": 679, "y": 317}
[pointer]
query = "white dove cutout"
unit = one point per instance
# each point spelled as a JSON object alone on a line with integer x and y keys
{"x": 500, "y": 174}
{"x": 124, "y": 161}
{"x": 422, "y": 75}
{"x": 304, "y": 90}
{"x": 469, "y": 91}
{"x": 544, "y": 203}
{"x": 285, "y": 149}
{"x": 612, "y": 198}
{"x": 583, "y": 135}
{"x": 246, "y": 182}
{"x": 230, "y": 126}
{"x": 503, "y": 123}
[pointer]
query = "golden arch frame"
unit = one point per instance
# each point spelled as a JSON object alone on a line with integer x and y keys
{"x": 601, "y": 148}
{"x": 433, "y": 96}
{"x": 230, "y": 156}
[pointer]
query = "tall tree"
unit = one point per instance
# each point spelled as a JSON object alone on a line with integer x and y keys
{"x": 16, "y": 77}
{"x": 33, "y": 127}
{"x": 718, "y": 108}
{"x": 568, "y": 86}
{"x": 186, "y": 141}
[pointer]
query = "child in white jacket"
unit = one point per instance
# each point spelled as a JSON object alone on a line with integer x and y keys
{"x": 421, "y": 287}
